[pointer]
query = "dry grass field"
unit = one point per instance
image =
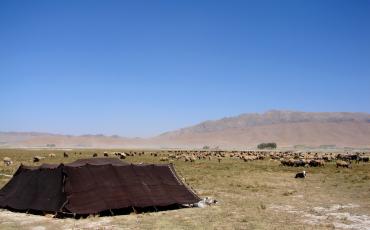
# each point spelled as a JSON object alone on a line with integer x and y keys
{"x": 252, "y": 195}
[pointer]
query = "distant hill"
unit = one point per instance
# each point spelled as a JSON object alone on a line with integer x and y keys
{"x": 33, "y": 139}
{"x": 286, "y": 128}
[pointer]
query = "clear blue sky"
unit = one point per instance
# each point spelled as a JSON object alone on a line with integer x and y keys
{"x": 139, "y": 68}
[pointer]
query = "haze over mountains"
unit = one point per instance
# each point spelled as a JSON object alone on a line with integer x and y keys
{"x": 286, "y": 128}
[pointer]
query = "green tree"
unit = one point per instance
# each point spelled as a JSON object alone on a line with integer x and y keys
{"x": 270, "y": 145}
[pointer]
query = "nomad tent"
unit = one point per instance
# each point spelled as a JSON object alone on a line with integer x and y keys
{"x": 91, "y": 186}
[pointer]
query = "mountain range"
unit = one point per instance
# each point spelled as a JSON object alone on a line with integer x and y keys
{"x": 286, "y": 128}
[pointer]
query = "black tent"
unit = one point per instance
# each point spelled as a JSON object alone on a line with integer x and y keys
{"x": 91, "y": 186}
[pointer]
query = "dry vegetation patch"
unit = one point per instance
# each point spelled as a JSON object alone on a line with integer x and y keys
{"x": 252, "y": 195}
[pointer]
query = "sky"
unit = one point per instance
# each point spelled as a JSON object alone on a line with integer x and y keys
{"x": 140, "y": 68}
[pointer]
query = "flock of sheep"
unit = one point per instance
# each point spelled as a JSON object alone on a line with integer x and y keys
{"x": 309, "y": 159}
{"x": 286, "y": 158}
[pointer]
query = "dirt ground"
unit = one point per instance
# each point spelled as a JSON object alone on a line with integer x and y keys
{"x": 252, "y": 195}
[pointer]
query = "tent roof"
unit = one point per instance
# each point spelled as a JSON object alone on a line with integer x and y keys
{"x": 97, "y": 161}
{"x": 81, "y": 162}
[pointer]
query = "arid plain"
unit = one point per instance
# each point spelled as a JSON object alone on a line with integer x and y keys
{"x": 251, "y": 194}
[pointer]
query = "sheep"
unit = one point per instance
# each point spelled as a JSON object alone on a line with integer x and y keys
{"x": 120, "y": 155}
{"x": 192, "y": 159}
{"x": 343, "y": 164}
{"x": 287, "y": 162}
{"x": 363, "y": 159}
{"x": 52, "y": 155}
{"x": 65, "y": 155}
{"x": 106, "y": 154}
{"x": 299, "y": 163}
{"x": 164, "y": 159}
{"x": 315, "y": 163}
{"x": 7, "y": 161}
{"x": 95, "y": 155}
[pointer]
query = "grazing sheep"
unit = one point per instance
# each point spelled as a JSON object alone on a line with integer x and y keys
{"x": 7, "y": 161}
{"x": 285, "y": 162}
{"x": 316, "y": 163}
{"x": 65, "y": 155}
{"x": 364, "y": 158}
{"x": 192, "y": 159}
{"x": 164, "y": 159}
{"x": 289, "y": 162}
{"x": 343, "y": 164}
{"x": 299, "y": 163}
{"x": 52, "y": 155}
{"x": 301, "y": 175}
{"x": 95, "y": 155}
{"x": 120, "y": 155}
{"x": 106, "y": 154}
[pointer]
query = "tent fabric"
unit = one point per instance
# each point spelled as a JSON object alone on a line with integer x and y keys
{"x": 34, "y": 189}
{"x": 96, "y": 161}
{"x": 90, "y": 186}
{"x": 94, "y": 188}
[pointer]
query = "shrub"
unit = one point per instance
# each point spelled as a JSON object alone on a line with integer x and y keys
{"x": 267, "y": 146}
